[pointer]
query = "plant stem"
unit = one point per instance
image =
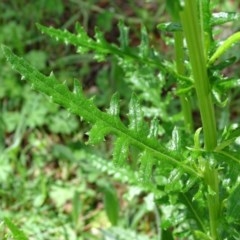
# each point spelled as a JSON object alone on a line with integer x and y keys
{"x": 195, "y": 42}
{"x": 195, "y": 45}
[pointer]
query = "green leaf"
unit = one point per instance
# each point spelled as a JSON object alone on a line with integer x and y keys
{"x": 135, "y": 116}
{"x": 16, "y": 232}
{"x": 124, "y": 35}
{"x": 227, "y": 44}
{"x": 201, "y": 236}
{"x": 120, "y": 152}
{"x": 144, "y": 48}
{"x": 233, "y": 205}
{"x": 153, "y": 131}
{"x": 176, "y": 141}
{"x": 224, "y": 17}
{"x": 114, "y": 105}
{"x": 101, "y": 48}
{"x": 227, "y": 84}
{"x": 170, "y": 27}
{"x": 111, "y": 203}
{"x": 78, "y": 104}
{"x": 146, "y": 165}
{"x": 98, "y": 132}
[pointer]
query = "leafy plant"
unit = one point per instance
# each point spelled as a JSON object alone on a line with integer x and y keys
{"x": 191, "y": 170}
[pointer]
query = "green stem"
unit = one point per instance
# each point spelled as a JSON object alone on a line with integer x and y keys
{"x": 195, "y": 45}
{"x": 195, "y": 42}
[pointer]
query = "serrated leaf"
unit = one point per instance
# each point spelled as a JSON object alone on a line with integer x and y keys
{"x": 146, "y": 165}
{"x": 82, "y": 35}
{"x": 98, "y": 132}
{"x": 77, "y": 87}
{"x": 174, "y": 181}
{"x": 170, "y": 27}
{"x": 224, "y": 17}
{"x": 120, "y": 153}
{"x": 16, "y": 232}
{"x": 233, "y": 205}
{"x": 101, "y": 47}
{"x": 80, "y": 105}
{"x": 153, "y": 132}
{"x": 114, "y": 108}
{"x": 227, "y": 84}
{"x": 176, "y": 141}
{"x": 135, "y": 115}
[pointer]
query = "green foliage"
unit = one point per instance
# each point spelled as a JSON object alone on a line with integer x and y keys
{"x": 16, "y": 232}
{"x": 189, "y": 174}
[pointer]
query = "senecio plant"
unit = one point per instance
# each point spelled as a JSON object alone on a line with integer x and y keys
{"x": 192, "y": 168}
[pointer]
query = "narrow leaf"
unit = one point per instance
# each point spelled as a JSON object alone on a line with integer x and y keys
{"x": 120, "y": 152}
{"x": 111, "y": 204}
{"x": 16, "y": 232}
{"x": 234, "y": 38}
{"x": 124, "y": 35}
{"x": 224, "y": 17}
{"x": 153, "y": 132}
{"x": 146, "y": 165}
{"x": 144, "y": 46}
{"x": 170, "y": 27}
{"x": 114, "y": 105}
{"x": 78, "y": 104}
{"x": 135, "y": 115}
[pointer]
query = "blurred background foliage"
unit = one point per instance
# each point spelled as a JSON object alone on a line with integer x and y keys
{"x": 48, "y": 185}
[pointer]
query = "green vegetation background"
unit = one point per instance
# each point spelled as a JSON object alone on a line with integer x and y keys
{"x": 48, "y": 185}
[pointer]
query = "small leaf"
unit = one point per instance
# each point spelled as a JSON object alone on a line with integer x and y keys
{"x": 218, "y": 95}
{"x": 135, "y": 114}
{"x": 16, "y": 232}
{"x": 144, "y": 45}
{"x": 233, "y": 205}
{"x": 153, "y": 132}
{"x": 227, "y": 84}
{"x": 77, "y": 87}
{"x": 174, "y": 181}
{"x": 97, "y": 133}
{"x": 224, "y": 17}
{"x": 197, "y": 143}
{"x": 170, "y": 27}
{"x": 176, "y": 141}
{"x": 114, "y": 105}
{"x": 146, "y": 165}
{"x": 124, "y": 35}
{"x": 120, "y": 152}
{"x": 228, "y": 43}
